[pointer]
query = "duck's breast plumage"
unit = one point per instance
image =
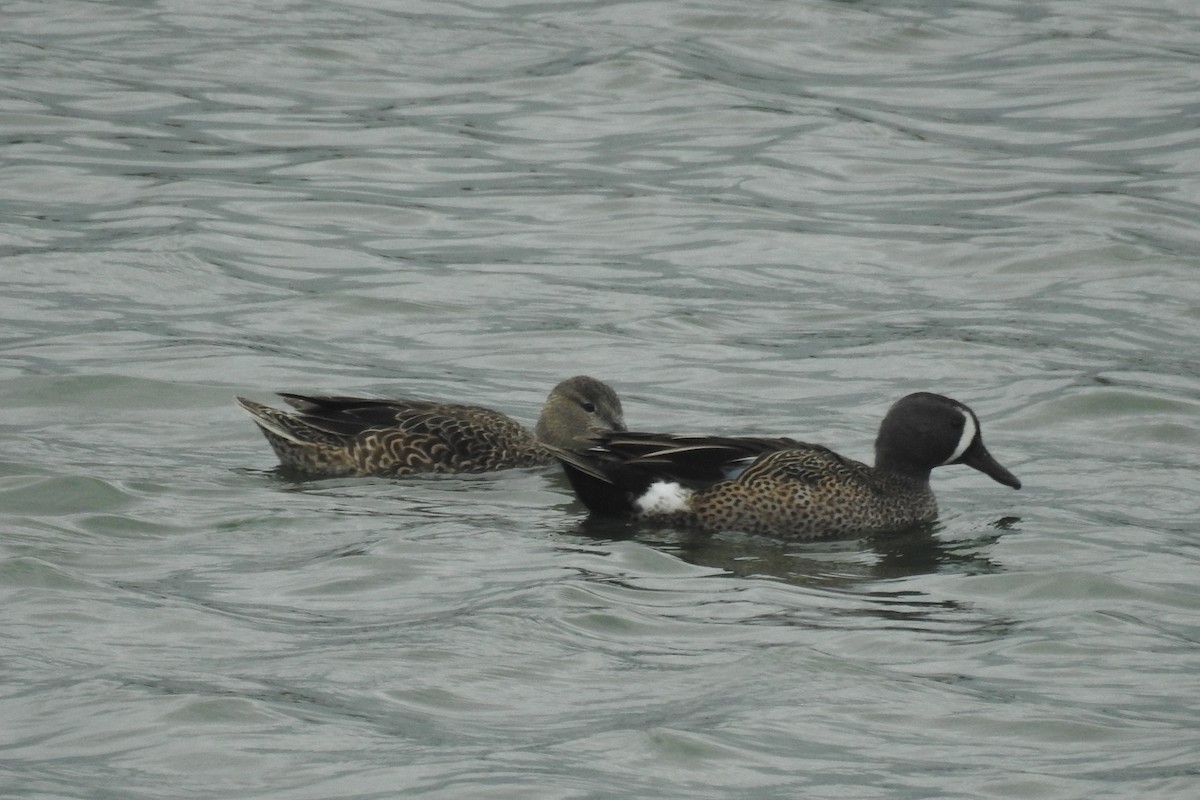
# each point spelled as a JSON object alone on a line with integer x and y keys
{"x": 809, "y": 491}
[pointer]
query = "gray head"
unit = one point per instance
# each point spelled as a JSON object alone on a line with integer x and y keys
{"x": 925, "y": 430}
{"x": 577, "y": 408}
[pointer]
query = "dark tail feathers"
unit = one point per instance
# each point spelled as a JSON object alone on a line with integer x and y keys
{"x": 606, "y": 492}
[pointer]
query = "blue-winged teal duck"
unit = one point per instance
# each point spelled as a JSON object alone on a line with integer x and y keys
{"x": 782, "y": 487}
{"x": 332, "y": 436}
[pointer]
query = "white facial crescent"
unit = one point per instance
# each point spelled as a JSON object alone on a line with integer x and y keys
{"x": 970, "y": 428}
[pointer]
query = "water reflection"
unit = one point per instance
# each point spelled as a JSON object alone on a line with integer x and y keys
{"x": 827, "y": 564}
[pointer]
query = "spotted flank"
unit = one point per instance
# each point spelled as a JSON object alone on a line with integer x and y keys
{"x": 782, "y": 487}
{"x": 343, "y": 436}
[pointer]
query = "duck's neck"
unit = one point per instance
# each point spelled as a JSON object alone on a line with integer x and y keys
{"x": 894, "y": 464}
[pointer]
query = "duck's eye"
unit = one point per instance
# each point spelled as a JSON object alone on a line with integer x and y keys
{"x": 589, "y": 407}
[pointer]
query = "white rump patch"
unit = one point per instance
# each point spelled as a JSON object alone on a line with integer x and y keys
{"x": 970, "y": 429}
{"x": 664, "y": 498}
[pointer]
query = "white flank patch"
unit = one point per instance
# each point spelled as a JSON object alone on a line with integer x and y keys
{"x": 664, "y": 498}
{"x": 968, "y": 436}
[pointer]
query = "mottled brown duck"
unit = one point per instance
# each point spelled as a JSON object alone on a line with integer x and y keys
{"x": 336, "y": 436}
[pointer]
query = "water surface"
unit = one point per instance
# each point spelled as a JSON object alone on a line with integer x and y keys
{"x": 769, "y": 219}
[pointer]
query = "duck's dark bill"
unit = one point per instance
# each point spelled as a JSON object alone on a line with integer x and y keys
{"x": 978, "y": 457}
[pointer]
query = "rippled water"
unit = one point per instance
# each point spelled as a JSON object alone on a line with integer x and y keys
{"x": 766, "y": 217}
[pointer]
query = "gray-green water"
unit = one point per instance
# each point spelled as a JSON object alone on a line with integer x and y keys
{"x": 760, "y": 217}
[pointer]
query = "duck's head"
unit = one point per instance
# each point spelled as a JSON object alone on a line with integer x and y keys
{"x": 576, "y": 409}
{"x": 926, "y": 430}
